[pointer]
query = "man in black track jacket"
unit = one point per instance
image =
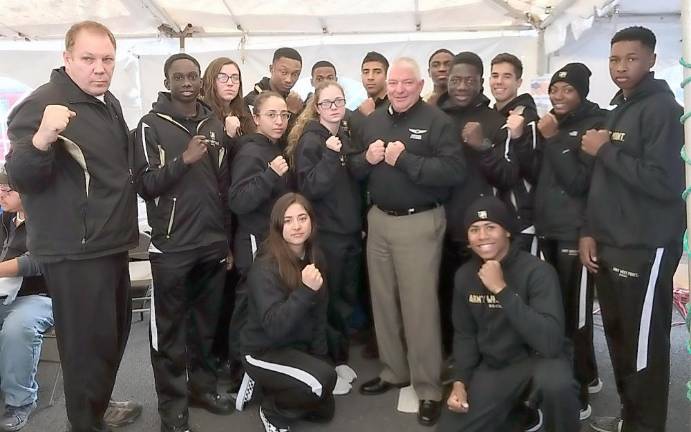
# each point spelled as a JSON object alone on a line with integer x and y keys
{"x": 490, "y": 168}
{"x": 560, "y": 199}
{"x": 508, "y": 333}
{"x": 70, "y": 160}
{"x": 521, "y": 117}
{"x": 181, "y": 151}
{"x": 635, "y": 221}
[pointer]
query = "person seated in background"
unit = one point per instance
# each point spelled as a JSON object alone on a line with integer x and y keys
{"x": 284, "y": 340}
{"x": 26, "y": 312}
{"x": 508, "y": 333}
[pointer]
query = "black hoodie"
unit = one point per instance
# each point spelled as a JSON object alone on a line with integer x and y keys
{"x": 80, "y": 193}
{"x": 635, "y": 194}
{"x": 185, "y": 204}
{"x": 521, "y": 197}
{"x": 562, "y": 189}
{"x": 263, "y": 85}
{"x": 324, "y": 178}
{"x": 530, "y": 141}
{"x": 525, "y": 317}
{"x": 254, "y": 186}
{"x": 487, "y": 170}
{"x": 278, "y": 317}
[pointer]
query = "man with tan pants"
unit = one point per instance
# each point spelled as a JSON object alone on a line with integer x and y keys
{"x": 412, "y": 160}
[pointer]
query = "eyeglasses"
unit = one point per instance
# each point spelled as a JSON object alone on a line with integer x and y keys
{"x": 274, "y": 115}
{"x": 223, "y": 78}
{"x": 468, "y": 81}
{"x": 326, "y": 104}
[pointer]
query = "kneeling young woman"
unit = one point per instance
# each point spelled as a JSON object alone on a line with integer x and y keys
{"x": 284, "y": 340}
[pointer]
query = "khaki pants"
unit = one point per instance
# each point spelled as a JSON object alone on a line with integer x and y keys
{"x": 403, "y": 257}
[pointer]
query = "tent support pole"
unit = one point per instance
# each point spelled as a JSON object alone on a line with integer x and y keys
{"x": 686, "y": 49}
{"x": 541, "y": 54}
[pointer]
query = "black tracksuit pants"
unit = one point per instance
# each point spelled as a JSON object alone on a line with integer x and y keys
{"x": 187, "y": 292}
{"x": 245, "y": 247}
{"x": 635, "y": 291}
{"x": 577, "y": 287}
{"x": 493, "y": 394}
{"x": 295, "y": 385}
{"x": 343, "y": 257}
{"x": 93, "y": 312}
{"x": 454, "y": 255}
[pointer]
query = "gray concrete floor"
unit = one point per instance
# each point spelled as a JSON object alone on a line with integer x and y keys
{"x": 353, "y": 412}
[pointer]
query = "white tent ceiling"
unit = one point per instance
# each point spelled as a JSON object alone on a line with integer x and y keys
{"x": 49, "y": 19}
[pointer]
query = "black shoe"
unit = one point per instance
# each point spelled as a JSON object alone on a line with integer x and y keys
{"x": 212, "y": 402}
{"x": 429, "y": 412}
{"x": 378, "y": 386}
{"x": 167, "y": 428}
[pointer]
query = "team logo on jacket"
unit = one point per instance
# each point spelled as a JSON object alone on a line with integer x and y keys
{"x": 417, "y": 133}
{"x": 573, "y": 133}
{"x": 618, "y": 136}
{"x": 489, "y": 299}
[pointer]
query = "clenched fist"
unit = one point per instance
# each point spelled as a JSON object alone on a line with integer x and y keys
{"x": 334, "y": 143}
{"x": 515, "y": 122}
{"x": 375, "y": 152}
{"x": 55, "y": 120}
{"x": 458, "y": 399}
{"x": 472, "y": 134}
{"x": 367, "y": 106}
{"x": 294, "y": 102}
{"x": 232, "y": 126}
{"x": 492, "y": 276}
{"x": 312, "y": 277}
{"x": 196, "y": 149}
{"x": 279, "y": 165}
{"x": 393, "y": 152}
{"x": 593, "y": 140}
{"x": 548, "y": 125}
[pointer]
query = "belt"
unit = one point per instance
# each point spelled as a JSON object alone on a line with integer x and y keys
{"x": 409, "y": 211}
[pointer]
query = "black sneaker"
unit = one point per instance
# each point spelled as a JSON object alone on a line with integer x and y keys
{"x": 533, "y": 421}
{"x": 607, "y": 424}
{"x": 15, "y": 418}
{"x": 595, "y": 386}
{"x": 270, "y": 427}
{"x": 244, "y": 393}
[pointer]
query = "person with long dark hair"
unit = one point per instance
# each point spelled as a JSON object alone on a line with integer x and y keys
{"x": 317, "y": 147}
{"x": 284, "y": 340}
{"x": 222, "y": 91}
{"x": 258, "y": 178}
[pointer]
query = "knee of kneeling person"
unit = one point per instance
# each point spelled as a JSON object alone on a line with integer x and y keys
{"x": 556, "y": 385}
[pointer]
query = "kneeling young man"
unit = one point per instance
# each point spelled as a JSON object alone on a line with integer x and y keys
{"x": 509, "y": 342}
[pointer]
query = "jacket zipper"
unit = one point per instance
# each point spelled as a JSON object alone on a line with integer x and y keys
{"x": 172, "y": 216}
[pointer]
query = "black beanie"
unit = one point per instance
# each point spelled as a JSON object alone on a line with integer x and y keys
{"x": 492, "y": 209}
{"x": 575, "y": 74}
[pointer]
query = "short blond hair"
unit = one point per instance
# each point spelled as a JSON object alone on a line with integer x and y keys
{"x": 407, "y": 62}
{"x": 92, "y": 26}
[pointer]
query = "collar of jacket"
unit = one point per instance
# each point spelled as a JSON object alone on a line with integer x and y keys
{"x": 585, "y": 109}
{"x": 647, "y": 86}
{"x": 72, "y": 90}
{"x": 403, "y": 114}
{"x": 446, "y": 105}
